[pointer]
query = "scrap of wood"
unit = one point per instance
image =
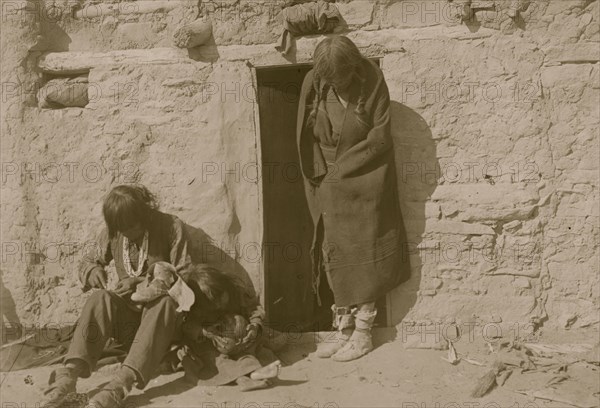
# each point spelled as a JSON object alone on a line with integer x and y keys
{"x": 558, "y": 379}
{"x": 488, "y": 380}
{"x": 18, "y": 341}
{"x": 513, "y": 359}
{"x": 552, "y": 394}
{"x": 546, "y": 362}
{"x": 558, "y": 348}
{"x": 547, "y": 369}
{"x": 503, "y": 376}
{"x": 527, "y": 362}
{"x": 452, "y": 355}
{"x": 471, "y": 361}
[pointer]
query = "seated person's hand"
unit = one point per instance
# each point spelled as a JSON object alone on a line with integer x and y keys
{"x": 252, "y": 332}
{"x": 230, "y": 334}
{"x": 97, "y": 278}
{"x": 192, "y": 330}
{"x": 127, "y": 286}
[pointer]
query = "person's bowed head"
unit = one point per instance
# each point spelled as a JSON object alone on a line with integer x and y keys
{"x": 228, "y": 335}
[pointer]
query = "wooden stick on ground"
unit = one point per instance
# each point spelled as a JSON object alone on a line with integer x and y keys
{"x": 487, "y": 382}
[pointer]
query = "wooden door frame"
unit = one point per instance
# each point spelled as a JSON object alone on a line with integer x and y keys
{"x": 258, "y": 143}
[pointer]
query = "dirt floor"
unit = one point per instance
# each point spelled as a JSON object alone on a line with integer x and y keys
{"x": 393, "y": 375}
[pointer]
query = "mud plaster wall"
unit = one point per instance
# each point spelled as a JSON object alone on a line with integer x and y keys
{"x": 495, "y": 125}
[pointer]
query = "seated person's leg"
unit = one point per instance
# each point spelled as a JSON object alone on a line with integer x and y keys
{"x": 104, "y": 315}
{"x": 158, "y": 329}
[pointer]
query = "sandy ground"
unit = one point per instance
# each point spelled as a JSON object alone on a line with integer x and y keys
{"x": 390, "y": 376}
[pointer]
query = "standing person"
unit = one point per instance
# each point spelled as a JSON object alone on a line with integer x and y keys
{"x": 136, "y": 236}
{"x": 347, "y": 160}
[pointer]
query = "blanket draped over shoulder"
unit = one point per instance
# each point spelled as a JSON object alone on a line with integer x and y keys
{"x": 353, "y": 195}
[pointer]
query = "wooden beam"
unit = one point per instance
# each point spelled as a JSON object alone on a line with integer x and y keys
{"x": 69, "y": 63}
{"x": 130, "y": 7}
{"x": 373, "y": 44}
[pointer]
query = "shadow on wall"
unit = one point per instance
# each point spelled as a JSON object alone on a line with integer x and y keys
{"x": 208, "y": 52}
{"x": 416, "y": 169}
{"x": 477, "y": 18}
{"x": 10, "y": 318}
{"x": 55, "y": 38}
{"x": 203, "y": 250}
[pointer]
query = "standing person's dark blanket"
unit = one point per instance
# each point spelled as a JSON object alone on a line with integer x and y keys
{"x": 347, "y": 160}
{"x": 137, "y": 235}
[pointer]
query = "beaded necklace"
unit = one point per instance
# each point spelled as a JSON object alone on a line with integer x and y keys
{"x": 142, "y": 256}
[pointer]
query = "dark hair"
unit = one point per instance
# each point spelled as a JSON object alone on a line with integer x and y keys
{"x": 209, "y": 285}
{"x": 332, "y": 57}
{"x": 128, "y": 205}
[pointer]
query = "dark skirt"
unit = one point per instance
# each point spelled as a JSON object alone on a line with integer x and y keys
{"x": 356, "y": 284}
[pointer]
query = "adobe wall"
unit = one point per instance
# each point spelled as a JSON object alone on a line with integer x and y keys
{"x": 495, "y": 121}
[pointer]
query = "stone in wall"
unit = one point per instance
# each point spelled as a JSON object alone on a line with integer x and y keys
{"x": 64, "y": 93}
{"x": 356, "y": 13}
{"x": 411, "y": 14}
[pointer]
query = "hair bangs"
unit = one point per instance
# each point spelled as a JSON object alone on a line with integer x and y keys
{"x": 209, "y": 285}
{"x": 126, "y": 206}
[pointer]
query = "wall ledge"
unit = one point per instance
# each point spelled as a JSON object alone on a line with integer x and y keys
{"x": 371, "y": 43}
{"x": 127, "y": 8}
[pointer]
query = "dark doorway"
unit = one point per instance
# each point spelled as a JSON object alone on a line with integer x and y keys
{"x": 290, "y": 302}
{"x": 289, "y": 299}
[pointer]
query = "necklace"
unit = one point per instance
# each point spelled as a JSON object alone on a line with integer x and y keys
{"x": 340, "y": 99}
{"x": 142, "y": 256}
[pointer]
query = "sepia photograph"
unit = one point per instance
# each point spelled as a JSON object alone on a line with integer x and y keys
{"x": 300, "y": 203}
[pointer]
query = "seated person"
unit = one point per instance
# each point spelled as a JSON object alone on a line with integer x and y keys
{"x": 136, "y": 236}
{"x": 222, "y": 330}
